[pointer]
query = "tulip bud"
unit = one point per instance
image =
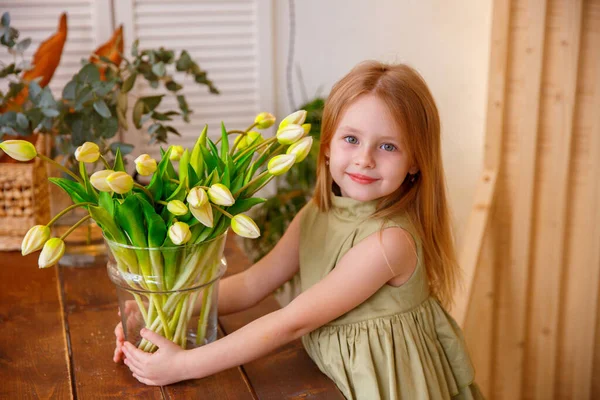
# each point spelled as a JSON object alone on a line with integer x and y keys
{"x": 245, "y": 226}
{"x": 220, "y": 194}
{"x": 98, "y": 180}
{"x": 203, "y": 214}
{"x": 20, "y": 150}
{"x": 179, "y": 233}
{"x": 176, "y": 153}
{"x": 297, "y": 118}
{"x": 301, "y": 148}
{"x": 52, "y": 252}
{"x": 176, "y": 207}
{"x": 197, "y": 197}
{"x": 34, "y": 239}
{"x": 281, "y": 164}
{"x": 145, "y": 165}
{"x": 248, "y": 139}
{"x": 290, "y": 134}
{"x": 88, "y": 152}
{"x": 306, "y": 128}
{"x": 264, "y": 120}
{"x": 120, "y": 182}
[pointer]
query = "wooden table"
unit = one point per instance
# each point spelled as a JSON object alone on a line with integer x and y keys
{"x": 57, "y": 342}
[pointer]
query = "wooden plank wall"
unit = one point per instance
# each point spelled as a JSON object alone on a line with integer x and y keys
{"x": 533, "y": 323}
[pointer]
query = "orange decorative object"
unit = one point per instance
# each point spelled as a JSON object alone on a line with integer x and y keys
{"x": 113, "y": 50}
{"x": 45, "y": 62}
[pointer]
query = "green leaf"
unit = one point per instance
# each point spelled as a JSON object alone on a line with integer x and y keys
{"x": 196, "y": 159}
{"x": 128, "y": 215}
{"x": 125, "y": 148}
{"x": 50, "y": 112}
{"x": 192, "y": 176}
{"x": 134, "y": 48}
{"x": 105, "y": 201}
{"x": 157, "y": 230}
{"x": 173, "y": 86}
{"x": 69, "y": 90}
{"x": 224, "y": 142}
{"x": 180, "y": 192}
{"x": 23, "y": 45}
{"x": 156, "y": 183}
{"x": 76, "y": 192}
{"x": 118, "y": 165}
{"x": 22, "y": 121}
{"x": 106, "y": 221}
{"x": 152, "y": 101}
{"x": 184, "y": 62}
{"x": 243, "y": 205}
{"x": 159, "y": 69}
{"x": 129, "y": 82}
{"x": 138, "y": 110}
{"x": 89, "y": 189}
{"x": 102, "y": 109}
{"x": 183, "y": 106}
{"x": 184, "y": 161}
{"x": 88, "y": 74}
{"x": 5, "y": 19}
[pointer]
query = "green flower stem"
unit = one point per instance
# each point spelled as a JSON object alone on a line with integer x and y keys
{"x": 66, "y": 210}
{"x": 71, "y": 229}
{"x": 140, "y": 304}
{"x": 174, "y": 180}
{"x": 62, "y": 167}
{"x": 247, "y": 185}
{"x": 231, "y": 133}
{"x": 265, "y": 183}
{"x": 260, "y": 160}
{"x": 219, "y": 209}
{"x": 255, "y": 147}
{"x": 146, "y": 191}
{"x": 105, "y": 162}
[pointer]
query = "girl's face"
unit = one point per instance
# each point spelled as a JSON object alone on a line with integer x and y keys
{"x": 367, "y": 159}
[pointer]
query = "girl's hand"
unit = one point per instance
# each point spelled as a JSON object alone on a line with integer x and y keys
{"x": 157, "y": 369}
{"x": 134, "y": 318}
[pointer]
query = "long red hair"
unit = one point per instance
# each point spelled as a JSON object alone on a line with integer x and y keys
{"x": 411, "y": 104}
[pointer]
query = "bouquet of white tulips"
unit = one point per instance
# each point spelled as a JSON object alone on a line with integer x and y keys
{"x": 169, "y": 235}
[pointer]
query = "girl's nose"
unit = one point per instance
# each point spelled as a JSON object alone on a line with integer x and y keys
{"x": 364, "y": 159}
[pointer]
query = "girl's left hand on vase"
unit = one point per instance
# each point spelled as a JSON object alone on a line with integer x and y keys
{"x": 155, "y": 369}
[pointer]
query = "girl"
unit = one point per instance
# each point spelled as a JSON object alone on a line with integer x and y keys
{"x": 375, "y": 256}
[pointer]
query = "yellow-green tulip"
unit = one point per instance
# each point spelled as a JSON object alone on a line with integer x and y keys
{"x": 250, "y": 138}
{"x": 197, "y": 197}
{"x": 53, "y": 250}
{"x": 98, "y": 180}
{"x": 296, "y": 118}
{"x": 34, "y": 239}
{"x": 220, "y": 194}
{"x": 301, "y": 148}
{"x": 119, "y": 182}
{"x": 290, "y": 134}
{"x": 20, "y": 150}
{"x": 281, "y": 164}
{"x": 306, "y": 128}
{"x": 264, "y": 120}
{"x": 179, "y": 233}
{"x": 88, "y": 152}
{"x": 203, "y": 214}
{"x": 176, "y": 207}
{"x": 245, "y": 226}
{"x": 145, "y": 165}
{"x": 176, "y": 153}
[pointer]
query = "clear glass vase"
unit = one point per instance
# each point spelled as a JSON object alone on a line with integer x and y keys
{"x": 171, "y": 290}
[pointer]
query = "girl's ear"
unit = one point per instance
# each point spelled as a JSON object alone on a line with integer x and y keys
{"x": 413, "y": 170}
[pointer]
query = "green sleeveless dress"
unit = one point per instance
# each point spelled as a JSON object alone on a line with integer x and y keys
{"x": 400, "y": 343}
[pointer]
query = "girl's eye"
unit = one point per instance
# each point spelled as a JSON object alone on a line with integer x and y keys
{"x": 388, "y": 147}
{"x": 351, "y": 139}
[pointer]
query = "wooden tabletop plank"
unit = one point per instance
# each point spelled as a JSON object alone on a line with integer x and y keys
{"x": 91, "y": 309}
{"x": 33, "y": 353}
{"x": 286, "y": 373}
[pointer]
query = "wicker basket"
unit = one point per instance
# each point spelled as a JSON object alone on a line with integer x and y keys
{"x": 24, "y": 199}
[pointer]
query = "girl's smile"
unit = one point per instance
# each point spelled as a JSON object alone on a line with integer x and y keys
{"x": 367, "y": 158}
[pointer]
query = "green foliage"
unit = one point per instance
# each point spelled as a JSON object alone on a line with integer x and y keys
{"x": 98, "y": 101}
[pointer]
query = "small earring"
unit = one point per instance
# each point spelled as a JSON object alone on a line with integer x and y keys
{"x": 413, "y": 177}
{"x": 327, "y": 161}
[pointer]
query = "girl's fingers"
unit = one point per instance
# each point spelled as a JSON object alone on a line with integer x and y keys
{"x": 133, "y": 352}
{"x": 134, "y": 368}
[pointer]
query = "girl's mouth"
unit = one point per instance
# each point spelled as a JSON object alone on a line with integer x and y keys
{"x": 361, "y": 178}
